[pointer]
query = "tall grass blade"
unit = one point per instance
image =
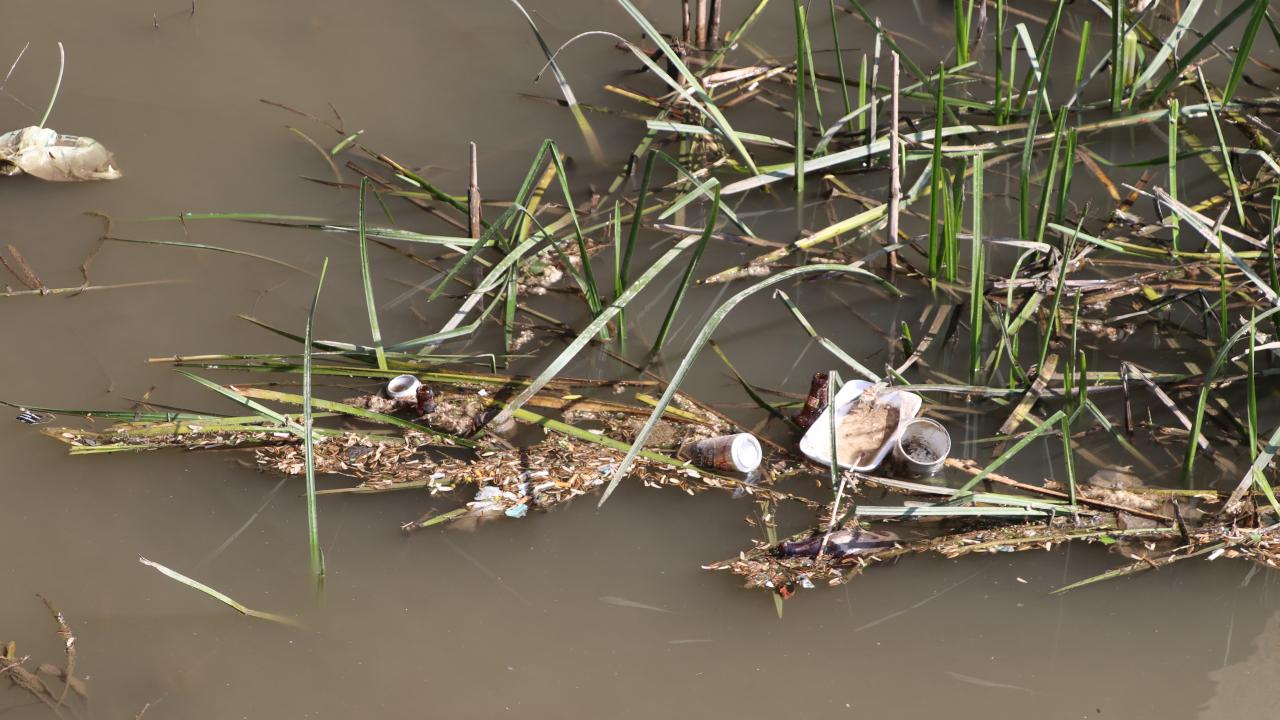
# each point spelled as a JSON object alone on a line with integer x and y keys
{"x": 594, "y": 327}
{"x": 62, "y": 65}
{"x": 368, "y": 282}
{"x": 1197, "y": 422}
{"x": 977, "y": 270}
{"x": 1244, "y": 49}
{"x": 1175, "y": 222}
{"x": 844, "y": 80}
{"x": 1232, "y": 185}
{"x": 1190, "y": 56}
{"x": 308, "y": 439}
{"x": 936, "y": 180}
{"x": 913, "y": 68}
{"x": 703, "y": 100}
{"x": 1169, "y": 46}
{"x": 683, "y": 287}
{"x": 1117, "y": 52}
{"x": 798, "y": 110}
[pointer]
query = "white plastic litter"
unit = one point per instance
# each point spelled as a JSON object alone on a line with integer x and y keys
{"x": 43, "y": 153}
{"x": 816, "y": 443}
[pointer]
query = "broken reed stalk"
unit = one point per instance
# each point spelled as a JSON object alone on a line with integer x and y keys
{"x": 895, "y": 170}
{"x": 1174, "y": 222}
{"x": 873, "y": 94}
{"x": 713, "y": 25}
{"x": 800, "y": 131}
{"x": 701, "y": 23}
{"x": 473, "y": 196}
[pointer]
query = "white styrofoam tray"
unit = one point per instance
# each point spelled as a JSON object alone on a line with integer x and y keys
{"x": 816, "y": 443}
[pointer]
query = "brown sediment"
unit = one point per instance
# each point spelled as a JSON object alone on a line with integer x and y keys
{"x": 864, "y": 430}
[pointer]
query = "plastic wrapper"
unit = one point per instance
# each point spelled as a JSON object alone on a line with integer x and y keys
{"x": 43, "y": 153}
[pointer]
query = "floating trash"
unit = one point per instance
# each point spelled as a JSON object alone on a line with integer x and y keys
{"x": 841, "y": 544}
{"x": 30, "y": 418}
{"x": 740, "y": 452}
{"x": 816, "y": 402}
{"x": 43, "y": 153}
{"x": 922, "y": 447}
{"x": 403, "y": 387}
{"x": 867, "y": 424}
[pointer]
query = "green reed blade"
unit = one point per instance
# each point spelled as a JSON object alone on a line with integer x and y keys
{"x": 1007, "y": 455}
{"x": 1223, "y": 355}
{"x": 1244, "y": 49}
{"x": 694, "y": 91}
{"x": 367, "y": 282}
{"x": 1169, "y": 45}
{"x": 1190, "y": 56}
{"x": 1228, "y": 166}
{"x": 825, "y": 342}
{"x": 1083, "y": 53}
{"x": 308, "y": 441}
{"x": 799, "y": 128}
{"x": 935, "y": 186}
{"x": 683, "y": 287}
{"x": 844, "y": 81}
{"x": 977, "y": 269}
{"x": 62, "y": 65}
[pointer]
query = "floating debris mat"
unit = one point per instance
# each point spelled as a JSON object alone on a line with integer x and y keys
{"x": 508, "y": 482}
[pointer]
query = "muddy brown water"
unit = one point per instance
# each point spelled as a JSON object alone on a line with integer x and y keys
{"x": 583, "y": 612}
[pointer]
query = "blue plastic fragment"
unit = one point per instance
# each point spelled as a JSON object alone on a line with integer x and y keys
{"x": 518, "y": 511}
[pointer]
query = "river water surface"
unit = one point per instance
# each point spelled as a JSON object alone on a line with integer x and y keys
{"x": 583, "y": 612}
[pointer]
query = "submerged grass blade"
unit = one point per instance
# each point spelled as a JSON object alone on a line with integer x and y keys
{"x": 212, "y": 248}
{"x": 220, "y": 597}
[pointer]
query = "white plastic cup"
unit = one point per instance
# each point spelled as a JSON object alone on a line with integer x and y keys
{"x": 739, "y": 452}
{"x": 403, "y": 387}
{"x": 922, "y": 447}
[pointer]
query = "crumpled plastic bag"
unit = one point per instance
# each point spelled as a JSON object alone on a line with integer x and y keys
{"x": 45, "y": 154}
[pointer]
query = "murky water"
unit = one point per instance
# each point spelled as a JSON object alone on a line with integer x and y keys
{"x": 544, "y": 617}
